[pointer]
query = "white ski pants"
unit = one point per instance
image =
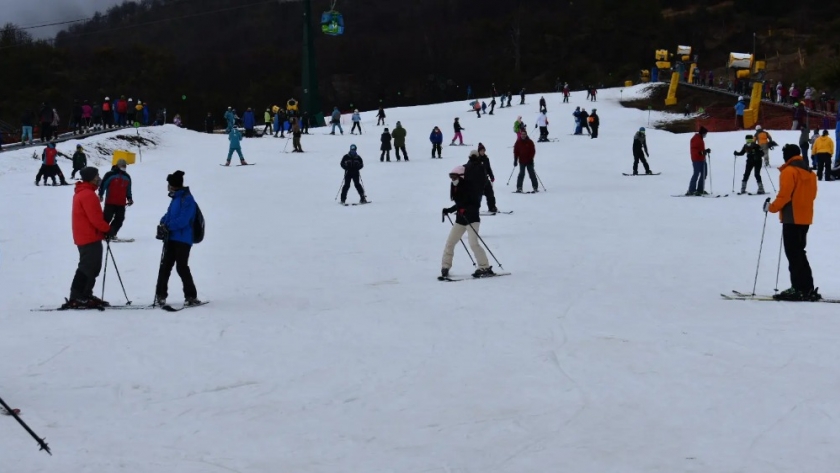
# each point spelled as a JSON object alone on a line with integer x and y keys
{"x": 455, "y": 236}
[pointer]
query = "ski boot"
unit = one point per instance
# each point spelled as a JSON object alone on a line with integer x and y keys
{"x": 227, "y": 163}
{"x": 75, "y": 304}
{"x": 536, "y": 189}
{"x": 743, "y": 187}
{"x": 37, "y": 182}
{"x": 191, "y": 301}
{"x": 444, "y": 272}
{"x": 519, "y": 191}
{"x": 760, "y": 189}
{"x": 94, "y": 301}
{"x": 484, "y": 272}
{"x": 242, "y": 162}
{"x": 648, "y": 172}
{"x": 160, "y": 301}
{"x": 791, "y": 294}
{"x": 363, "y": 200}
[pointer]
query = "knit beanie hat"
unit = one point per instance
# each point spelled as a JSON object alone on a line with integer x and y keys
{"x": 176, "y": 179}
{"x": 481, "y": 147}
{"x": 89, "y": 173}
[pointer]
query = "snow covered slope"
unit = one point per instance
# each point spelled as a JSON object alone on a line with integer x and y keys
{"x": 329, "y": 346}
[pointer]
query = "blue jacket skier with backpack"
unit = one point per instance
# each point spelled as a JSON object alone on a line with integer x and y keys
{"x": 182, "y": 226}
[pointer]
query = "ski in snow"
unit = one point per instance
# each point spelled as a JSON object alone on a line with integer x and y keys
{"x": 100, "y": 309}
{"x": 525, "y": 192}
{"x": 450, "y": 279}
{"x": 169, "y": 308}
{"x": 748, "y": 193}
{"x": 358, "y": 203}
{"x": 122, "y": 240}
{"x": 740, "y": 296}
{"x": 651, "y": 174}
{"x": 238, "y": 165}
{"x": 488, "y": 214}
{"x": 710, "y": 196}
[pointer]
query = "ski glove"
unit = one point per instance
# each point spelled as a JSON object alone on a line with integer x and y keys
{"x": 515, "y": 162}
{"x": 767, "y": 205}
{"x": 708, "y": 151}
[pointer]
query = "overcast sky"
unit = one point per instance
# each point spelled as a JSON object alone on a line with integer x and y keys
{"x": 38, "y": 12}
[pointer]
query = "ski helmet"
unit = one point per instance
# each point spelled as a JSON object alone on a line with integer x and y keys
{"x": 757, "y": 127}
{"x": 642, "y": 129}
{"x": 352, "y": 147}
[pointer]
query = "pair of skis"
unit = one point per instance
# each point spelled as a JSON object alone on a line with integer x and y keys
{"x": 743, "y": 296}
{"x": 167, "y": 308}
{"x": 643, "y": 174}
{"x": 238, "y": 165}
{"x": 456, "y": 279}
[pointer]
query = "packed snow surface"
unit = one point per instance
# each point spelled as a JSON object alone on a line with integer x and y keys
{"x": 329, "y": 345}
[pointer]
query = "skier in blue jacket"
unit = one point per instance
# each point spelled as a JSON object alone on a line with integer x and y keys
{"x": 357, "y": 122}
{"x": 176, "y": 231}
{"x": 249, "y": 121}
{"x": 436, "y": 138}
{"x": 739, "y": 113}
{"x": 335, "y": 121}
{"x": 230, "y": 118}
{"x": 235, "y": 138}
{"x": 837, "y": 139}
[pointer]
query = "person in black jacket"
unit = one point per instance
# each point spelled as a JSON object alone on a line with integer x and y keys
{"x": 640, "y": 150}
{"x": 352, "y": 164}
{"x": 386, "y": 146}
{"x": 209, "y": 123}
{"x": 754, "y": 162}
{"x": 594, "y": 123}
{"x": 584, "y": 121}
{"x": 467, "y": 204}
{"x": 488, "y": 186}
{"x": 543, "y": 108}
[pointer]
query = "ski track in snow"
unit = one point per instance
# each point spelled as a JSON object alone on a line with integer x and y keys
{"x": 331, "y": 347}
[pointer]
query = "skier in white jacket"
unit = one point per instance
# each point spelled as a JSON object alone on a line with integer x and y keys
{"x": 542, "y": 124}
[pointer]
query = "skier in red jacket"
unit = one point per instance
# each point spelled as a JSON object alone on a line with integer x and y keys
{"x": 698, "y": 161}
{"x": 523, "y": 156}
{"x": 89, "y": 229}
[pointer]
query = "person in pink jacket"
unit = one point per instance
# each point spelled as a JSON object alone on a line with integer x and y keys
{"x": 87, "y": 116}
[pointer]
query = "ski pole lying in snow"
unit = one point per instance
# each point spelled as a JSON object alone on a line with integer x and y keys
{"x": 755, "y": 281}
{"x": 485, "y": 245}
{"x": 113, "y": 260}
{"x": 511, "y": 175}
{"x": 462, "y": 242}
{"x": 11, "y": 412}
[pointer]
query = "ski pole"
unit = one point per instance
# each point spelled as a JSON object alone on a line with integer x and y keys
{"x": 771, "y": 178}
{"x": 462, "y": 242}
{"x": 540, "y": 180}
{"x": 114, "y": 261}
{"x": 779, "y": 264}
{"x": 755, "y": 281}
{"x": 162, "y": 256}
{"x": 41, "y": 441}
{"x": 341, "y": 185}
{"x": 105, "y": 273}
{"x": 485, "y": 245}
{"x": 511, "y": 176}
{"x": 734, "y": 162}
{"x": 287, "y": 145}
{"x": 711, "y": 183}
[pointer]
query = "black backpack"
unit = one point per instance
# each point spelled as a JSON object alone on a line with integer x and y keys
{"x": 198, "y": 225}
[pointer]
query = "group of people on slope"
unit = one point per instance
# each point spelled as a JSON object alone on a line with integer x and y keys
{"x": 91, "y": 225}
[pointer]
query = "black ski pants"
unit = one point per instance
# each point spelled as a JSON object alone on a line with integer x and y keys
{"x": 115, "y": 216}
{"x": 355, "y": 178}
{"x": 531, "y": 173}
{"x": 176, "y": 254}
{"x": 437, "y": 147}
{"x": 296, "y": 144}
{"x": 595, "y": 131}
{"x": 639, "y": 157}
{"x": 823, "y": 165}
{"x": 380, "y": 121}
{"x": 356, "y": 126}
{"x": 753, "y": 166}
{"x": 90, "y": 264}
{"x": 397, "y": 150}
{"x": 490, "y": 196}
{"x": 795, "y": 240}
{"x": 386, "y": 155}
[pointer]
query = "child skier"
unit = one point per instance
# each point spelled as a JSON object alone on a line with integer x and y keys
{"x": 436, "y": 138}
{"x": 235, "y": 138}
{"x": 458, "y": 128}
{"x": 488, "y": 186}
{"x": 754, "y": 155}
{"x": 357, "y": 122}
{"x": 386, "y": 146}
{"x": 79, "y": 161}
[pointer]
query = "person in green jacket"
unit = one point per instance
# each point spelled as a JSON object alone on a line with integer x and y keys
{"x": 399, "y": 141}
{"x": 79, "y": 161}
{"x": 267, "y": 118}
